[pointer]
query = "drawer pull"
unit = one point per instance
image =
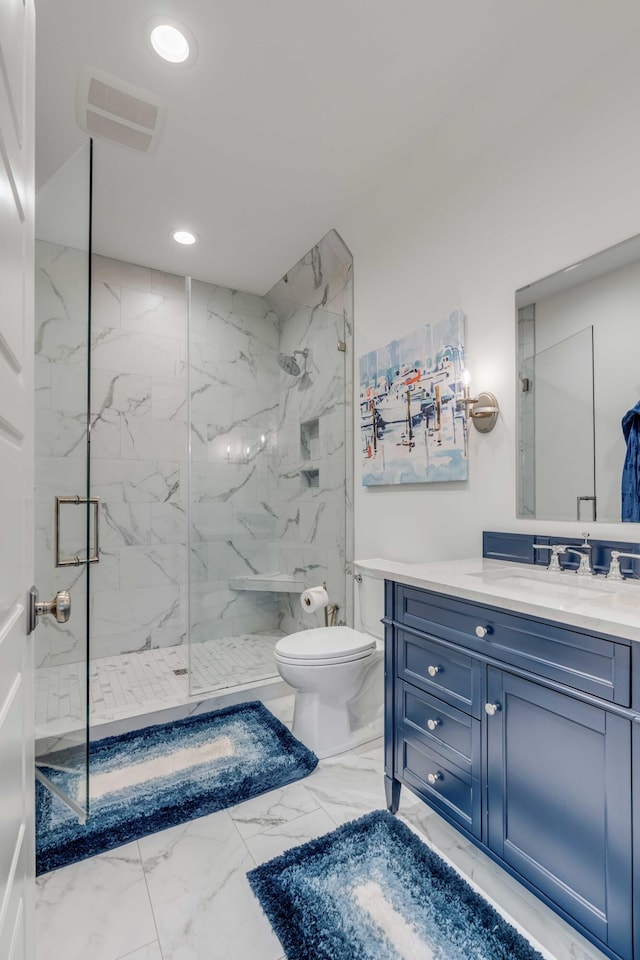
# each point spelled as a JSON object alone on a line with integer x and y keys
{"x": 432, "y": 724}
{"x": 434, "y": 777}
{"x": 481, "y": 631}
{"x": 491, "y": 708}
{"x": 432, "y": 671}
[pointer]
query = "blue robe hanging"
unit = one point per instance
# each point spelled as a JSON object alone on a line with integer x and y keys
{"x": 631, "y": 469}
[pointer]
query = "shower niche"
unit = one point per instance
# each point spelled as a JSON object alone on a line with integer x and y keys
{"x": 310, "y": 439}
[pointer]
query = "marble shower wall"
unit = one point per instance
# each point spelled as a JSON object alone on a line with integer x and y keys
{"x": 138, "y": 457}
{"x": 270, "y": 452}
{"x": 233, "y": 376}
{"x": 138, "y": 447}
{"x": 313, "y": 463}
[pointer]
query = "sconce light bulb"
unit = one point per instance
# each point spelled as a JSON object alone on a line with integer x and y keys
{"x": 262, "y": 438}
{"x": 228, "y": 449}
{"x": 466, "y": 377}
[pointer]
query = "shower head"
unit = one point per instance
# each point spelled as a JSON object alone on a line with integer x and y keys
{"x": 289, "y": 364}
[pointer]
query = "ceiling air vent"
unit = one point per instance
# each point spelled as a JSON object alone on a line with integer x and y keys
{"x": 114, "y": 110}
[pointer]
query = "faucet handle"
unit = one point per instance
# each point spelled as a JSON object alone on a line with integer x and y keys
{"x": 615, "y": 572}
{"x": 556, "y": 549}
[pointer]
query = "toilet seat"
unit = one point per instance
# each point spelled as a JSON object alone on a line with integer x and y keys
{"x": 322, "y": 646}
{"x": 322, "y": 661}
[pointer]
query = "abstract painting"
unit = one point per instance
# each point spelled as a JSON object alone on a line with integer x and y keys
{"x": 413, "y": 424}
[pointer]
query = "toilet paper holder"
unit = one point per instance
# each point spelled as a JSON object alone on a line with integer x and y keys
{"x": 330, "y": 611}
{"x": 311, "y": 603}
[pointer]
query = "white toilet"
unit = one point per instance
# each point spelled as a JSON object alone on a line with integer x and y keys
{"x": 338, "y": 676}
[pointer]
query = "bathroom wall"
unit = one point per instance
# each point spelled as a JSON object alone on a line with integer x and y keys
{"x": 455, "y": 226}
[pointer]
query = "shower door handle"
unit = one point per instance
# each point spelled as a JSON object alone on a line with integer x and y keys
{"x": 94, "y": 556}
{"x": 59, "y": 607}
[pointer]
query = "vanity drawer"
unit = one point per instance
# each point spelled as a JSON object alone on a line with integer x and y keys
{"x": 453, "y": 791}
{"x": 453, "y": 733}
{"x": 447, "y": 674}
{"x": 567, "y": 655}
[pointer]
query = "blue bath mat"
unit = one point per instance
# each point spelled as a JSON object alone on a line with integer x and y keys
{"x": 150, "y": 779}
{"x": 371, "y": 890}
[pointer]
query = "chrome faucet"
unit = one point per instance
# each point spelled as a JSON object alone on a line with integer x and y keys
{"x": 584, "y": 569}
{"x": 556, "y": 549}
{"x": 614, "y": 567}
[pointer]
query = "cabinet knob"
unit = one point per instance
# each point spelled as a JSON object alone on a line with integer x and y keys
{"x": 432, "y": 670}
{"x": 432, "y": 724}
{"x": 481, "y": 631}
{"x": 491, "y": 708}
{"x": 434, "y": 777}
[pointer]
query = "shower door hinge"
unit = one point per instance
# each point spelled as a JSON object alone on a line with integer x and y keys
{"x": 342, "y": 346}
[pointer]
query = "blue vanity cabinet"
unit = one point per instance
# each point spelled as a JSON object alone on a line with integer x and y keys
{"x": 559, "y": 801}
{"x": 513, "y": 746}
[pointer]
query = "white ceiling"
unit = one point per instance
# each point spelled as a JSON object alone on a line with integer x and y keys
{"x": 294, "y": 110}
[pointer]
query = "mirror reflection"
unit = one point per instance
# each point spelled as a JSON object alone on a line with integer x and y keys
{"x": 578, "y": 345}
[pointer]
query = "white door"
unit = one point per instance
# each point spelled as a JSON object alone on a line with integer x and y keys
{"x": 17, "y": 35}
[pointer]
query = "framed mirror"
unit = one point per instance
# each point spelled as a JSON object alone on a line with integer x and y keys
{"x": 578, "y": 374}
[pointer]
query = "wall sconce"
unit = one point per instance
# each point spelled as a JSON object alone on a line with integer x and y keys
{"x": 482, "y": 409}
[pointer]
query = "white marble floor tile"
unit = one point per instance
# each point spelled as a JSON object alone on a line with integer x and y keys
{"x": 150, "y": 952}
{"x": 373, "y": 749}
{"x": 282, "y": 708}
{"x": 98, "y": 908}
{"x": 274, "y": 841}
{"x": 202, "y": 901}
{"x": 347, "y": 786}
{"x": 272, "y": 809}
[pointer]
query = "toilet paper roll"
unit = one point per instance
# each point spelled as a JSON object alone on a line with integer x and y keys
{"x": 314, "y": 599}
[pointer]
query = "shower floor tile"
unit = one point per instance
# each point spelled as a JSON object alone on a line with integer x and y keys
{"x": 147, "y": 680}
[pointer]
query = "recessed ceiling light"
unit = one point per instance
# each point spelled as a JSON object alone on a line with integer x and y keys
{"x": 171, "y": 40}
{"x": 185, "y": 237}
{"x": 169, "y": 43}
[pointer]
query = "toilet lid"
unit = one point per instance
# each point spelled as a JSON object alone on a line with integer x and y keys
{"x": 324, "y": 643}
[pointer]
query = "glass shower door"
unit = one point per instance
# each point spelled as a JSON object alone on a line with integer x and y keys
{"x": 65, "y": 516}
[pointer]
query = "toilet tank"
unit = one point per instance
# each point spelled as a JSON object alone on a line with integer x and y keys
{"x": 368, "y": 602}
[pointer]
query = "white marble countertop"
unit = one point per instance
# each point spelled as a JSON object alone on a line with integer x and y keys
{"x": 591, "y": 603}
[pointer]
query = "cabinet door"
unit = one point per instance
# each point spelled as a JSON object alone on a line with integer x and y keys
{"x": 559, "y": 801}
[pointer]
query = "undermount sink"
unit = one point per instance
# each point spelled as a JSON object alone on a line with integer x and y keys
{"x": 547, "y": 584}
